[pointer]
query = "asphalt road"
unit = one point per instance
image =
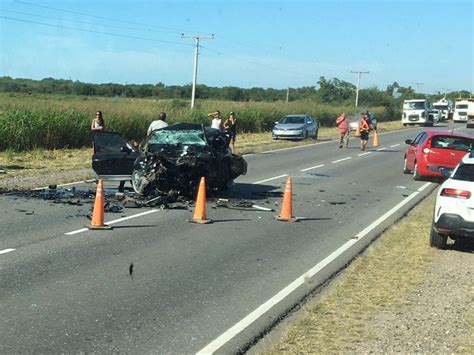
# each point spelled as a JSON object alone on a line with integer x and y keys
{"x": 195, "y": 287}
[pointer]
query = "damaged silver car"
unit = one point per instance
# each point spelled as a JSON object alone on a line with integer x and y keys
{"x": 171, "y": 161}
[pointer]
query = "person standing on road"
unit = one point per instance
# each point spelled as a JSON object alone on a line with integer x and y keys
{"x": 216, "y": 120}
{"x": 157, "y": 124}
{"x": 98, "y": 123}
{"x": 342, "y": 123}
{"x": 230, "y": 126}
{"x": 364, "y": 126}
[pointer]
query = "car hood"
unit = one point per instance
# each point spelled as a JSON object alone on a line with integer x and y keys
{"x": 289, "y": 126}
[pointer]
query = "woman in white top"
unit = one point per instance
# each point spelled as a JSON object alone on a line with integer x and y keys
{"x": 216, "y": 120}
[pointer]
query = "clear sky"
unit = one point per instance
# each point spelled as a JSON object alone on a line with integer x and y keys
{"x": 257, "y": 43}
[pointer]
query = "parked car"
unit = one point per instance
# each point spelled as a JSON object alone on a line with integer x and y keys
{"x": 432, "y": 150}
{"x": 296, "y": 127}
{"x": 454, "y": 204}
{"x": 172, "y": 161}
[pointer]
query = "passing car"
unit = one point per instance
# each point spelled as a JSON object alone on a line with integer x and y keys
{"x": 453, "y": 213}
{"x": 171, "y": 162}
{"x": 296, "y": 127}
{"x": 432, "y": 150}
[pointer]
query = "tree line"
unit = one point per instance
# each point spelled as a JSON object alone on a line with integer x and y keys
{"x": 328, "y": 91}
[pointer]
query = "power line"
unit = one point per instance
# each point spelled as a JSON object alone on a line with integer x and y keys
{"x": 93, "y": 31}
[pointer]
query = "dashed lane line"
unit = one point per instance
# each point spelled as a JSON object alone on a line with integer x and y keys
{"x": 270, "y": 179}
{"x": 4, "y": 251}
{"x": 313, "y": 167}
{"x": 361, "y": 154}
{"x": 394, "y": 145}
{"x": 339, "y": 160}
{"x": 380, "y": 149}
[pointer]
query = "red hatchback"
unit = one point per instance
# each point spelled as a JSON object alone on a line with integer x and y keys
{"x": 431, "y": 150}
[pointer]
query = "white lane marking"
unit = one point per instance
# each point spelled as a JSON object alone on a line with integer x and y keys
{"x": 361, "y": 154}
{"x": 4, "y": 251}
{"x": 270, "y": 179}
{"x": 217, "y": 343}
{"x": 67, "y": 184}
{"x": 378, "y": 150}
{"x": 337, "y": 161}
{"x": 313, "y": 167}
{"x": 394, "y": 145}
{"x": 115, "y": 221}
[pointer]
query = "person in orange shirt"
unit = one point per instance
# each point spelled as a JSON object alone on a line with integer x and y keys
{"x": 365, "y": 126}
{"x": 342, "y": 123}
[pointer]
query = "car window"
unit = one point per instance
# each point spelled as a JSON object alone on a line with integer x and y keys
{"x": 292, "y": 120}
{"x": 456, "y": 143}
{"x": 109, "y": 142}
{"x": 464, "y": 172}
{"x": 188, "y": 137}
{"x": 420, "y": 138}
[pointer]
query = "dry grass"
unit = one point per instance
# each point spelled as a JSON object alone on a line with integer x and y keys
{"x": 378, "y": 280}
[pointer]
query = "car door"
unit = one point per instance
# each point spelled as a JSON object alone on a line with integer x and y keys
{"x": 311, "y": 126}
{"x": 113, "y": 156}
{"x": 413, "y": 149}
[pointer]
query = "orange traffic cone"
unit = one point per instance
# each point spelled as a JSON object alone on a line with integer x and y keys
{"x": 98, "y": 212}
{"x": 357, "y": 132}
{"x": 286, "y": 213}
{"x": 200, "y": 209}
{"x": 376, "y": 139}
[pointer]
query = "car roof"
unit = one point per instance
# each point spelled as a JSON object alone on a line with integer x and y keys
{"x": 433, "y": 133}
{"x": 297, "y": 115}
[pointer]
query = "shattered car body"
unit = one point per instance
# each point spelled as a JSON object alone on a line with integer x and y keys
{"x": 173, "y": 160}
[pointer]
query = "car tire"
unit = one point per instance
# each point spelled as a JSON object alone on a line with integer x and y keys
{"x": 138, "y": 182}
{"x": 405, "y": 169}
{"x": 438, "y": 240}
{"x": 305, "y": 134}
{"x": 416, "y": 173}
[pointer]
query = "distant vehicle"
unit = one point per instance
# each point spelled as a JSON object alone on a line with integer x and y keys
{"x": 445, "y": 107}
{"x": 296, "y": 127}
{"x": 460, "y": 110}
{"x": 437, "y": 115}
{"x": 432, "y": 150}
{"x": 470, "y": 113}
{"x": 417, "y": 111}
{"x": 354, "y": 124}
{"x": 454, "y": 204}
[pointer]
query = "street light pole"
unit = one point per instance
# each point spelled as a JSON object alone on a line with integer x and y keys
{"x": 358, "y": 84}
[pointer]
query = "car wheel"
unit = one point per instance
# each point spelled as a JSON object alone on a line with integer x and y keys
{"x": 438, "y": 240}
{"x": 416, "y": 174}
{"x": 405, "y": 169}
{"x": 305, "y": 134}
{"x": 138, "y": 181}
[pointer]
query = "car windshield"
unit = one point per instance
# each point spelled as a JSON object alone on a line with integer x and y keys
{"x": 188, "y": 137}
{"x": 465, "y": 172}
{"x": 417, "y": 105}
{"x": 461, "y": 107}
{"x": 456, "y": 143}
{"x": 292, "y": 120}
{"x": 441, "y": 107}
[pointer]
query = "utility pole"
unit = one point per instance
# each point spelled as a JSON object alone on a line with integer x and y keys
{"x": 287, "y": 94}
{"x": 358, "y": 83}
{"x": 417, "y": 85}
{"x": 197, "y": 39}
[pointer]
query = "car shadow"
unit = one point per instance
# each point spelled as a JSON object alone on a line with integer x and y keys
{"x": 462, "y": 245}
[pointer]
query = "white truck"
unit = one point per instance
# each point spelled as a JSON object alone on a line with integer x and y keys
{"x": 417, "y": 111}
{"x": 470, "y": 113}
{"x": 460, "y": 110}
{"x": 445, "y": 107}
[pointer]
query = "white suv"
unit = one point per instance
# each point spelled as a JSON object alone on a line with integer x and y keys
{"x": 453, "y": 215}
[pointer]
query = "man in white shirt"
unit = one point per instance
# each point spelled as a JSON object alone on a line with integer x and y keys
{"x": 157, "y": 124}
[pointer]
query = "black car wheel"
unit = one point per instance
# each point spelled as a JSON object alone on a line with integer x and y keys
{"x": 438, "y": 240}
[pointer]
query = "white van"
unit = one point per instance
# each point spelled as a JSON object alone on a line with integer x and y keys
{"x": 446, "y": 108}
{"x": 417, "y": 111}
{"x": 460, "y": 110}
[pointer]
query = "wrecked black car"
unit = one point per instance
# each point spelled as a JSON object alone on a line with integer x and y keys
{"x": 170, "y": 162}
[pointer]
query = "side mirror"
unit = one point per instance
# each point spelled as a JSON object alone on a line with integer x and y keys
{"x": 276, "y": 122}
{"x": 409, "y": 141}
{"x": 125, "y": 149}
